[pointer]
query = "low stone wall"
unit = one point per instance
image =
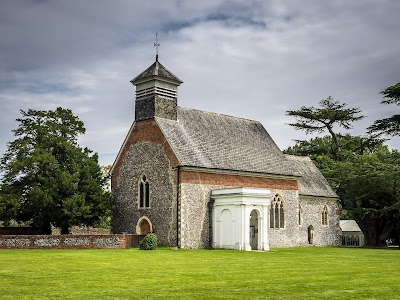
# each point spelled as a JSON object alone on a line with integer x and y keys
{"x": 82, "y": 230}
{"x": 68, "y": 241}
{"x": 75, "y": 230}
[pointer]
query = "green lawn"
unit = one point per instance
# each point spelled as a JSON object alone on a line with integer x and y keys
{"x": 294, "y": 273}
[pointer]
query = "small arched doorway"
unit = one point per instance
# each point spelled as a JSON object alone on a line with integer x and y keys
{"x": 310, "y": 234}
{"x": 144, "y": 226}
{"x": 254, "y": 229}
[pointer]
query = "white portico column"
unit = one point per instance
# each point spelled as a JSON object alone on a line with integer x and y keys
{"x": 242, "y": 231}
{"x": 265, "y": 226}
{"x": 246, "y": 227}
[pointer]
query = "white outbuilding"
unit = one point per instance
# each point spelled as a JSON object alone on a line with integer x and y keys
{"x": 352, "y": 236}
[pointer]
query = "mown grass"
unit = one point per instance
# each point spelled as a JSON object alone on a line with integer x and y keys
{"x": 294, "y": 273}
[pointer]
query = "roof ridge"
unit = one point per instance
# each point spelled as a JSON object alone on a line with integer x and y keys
{"x": 297, "y": 156}
{"x": 219, "y": 114}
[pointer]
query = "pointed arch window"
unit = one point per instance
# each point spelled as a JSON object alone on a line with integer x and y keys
{"x": 277, "y": 213}
{"x": 144, "y": 192}
{"x": 325, "y": 216}
{"x": 300, "y": 216}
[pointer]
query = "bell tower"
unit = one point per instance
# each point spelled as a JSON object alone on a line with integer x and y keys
{"x": 156, "y": 92}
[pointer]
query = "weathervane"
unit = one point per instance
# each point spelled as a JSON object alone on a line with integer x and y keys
{"x": 156, "y": 44}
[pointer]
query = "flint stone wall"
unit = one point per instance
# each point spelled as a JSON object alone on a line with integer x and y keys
{"x": 111, "y": 241}
{"x": 195, "y": 219}
{"x": 149, "y": 159}
{"x": 82, "y": 230}
{"x": 155, "y": 106}
{"x": 287, "y": 236}
{"x": 195, "y": 225}
{"x": 324, "y": 235}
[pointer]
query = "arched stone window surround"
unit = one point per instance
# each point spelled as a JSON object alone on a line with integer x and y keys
{"x": 277, "y": 213}
{"x": 310, "y": 231}
{"x": 139, "y": 223}
{"x": 255, "y": 219}
{"x": 300, "y": 215}
{"x": 143, "y": 191}
{"x": 324, "y": 215}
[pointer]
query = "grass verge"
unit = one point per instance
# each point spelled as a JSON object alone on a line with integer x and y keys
{"x": 293, "y": 273}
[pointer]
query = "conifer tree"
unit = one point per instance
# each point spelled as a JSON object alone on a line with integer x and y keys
{"x": 47, "y": 178}
{"x": 389, "y": 126}
{"x": 331, "y": 113}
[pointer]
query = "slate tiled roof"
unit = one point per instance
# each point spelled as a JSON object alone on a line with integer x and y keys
{"x": 311, "y": 182}
{"x": 156, "y": 69}
{"x": 210, "y": 140}
{"x": 349, "y": 225}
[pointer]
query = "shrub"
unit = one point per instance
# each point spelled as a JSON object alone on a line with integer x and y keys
{"x": 149, "y": 242}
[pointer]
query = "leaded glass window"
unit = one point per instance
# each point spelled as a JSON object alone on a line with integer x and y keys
{"x": 144, "y": 192}
{"x": 325, "y": 216}
{"x": 277, "y": 213}
{"x": 300, "y": 216}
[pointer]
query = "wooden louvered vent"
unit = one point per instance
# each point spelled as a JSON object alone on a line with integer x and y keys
{"x": 155, "y": 90}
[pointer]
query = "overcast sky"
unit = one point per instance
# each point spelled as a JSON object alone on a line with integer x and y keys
{"x": 251, "y": 59}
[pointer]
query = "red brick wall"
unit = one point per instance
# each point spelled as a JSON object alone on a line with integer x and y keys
{"x": 237, "y": 180}
{"x": 149, "y": 131}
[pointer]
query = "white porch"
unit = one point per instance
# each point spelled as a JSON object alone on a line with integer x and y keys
{"x": 240, "y": 218}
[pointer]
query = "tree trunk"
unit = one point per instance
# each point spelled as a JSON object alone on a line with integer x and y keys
{"x": 65, "y": 229}
{"x": 46, "y": 228}
{"x": 376, "y": 232}
{"x": 336, "y": 142}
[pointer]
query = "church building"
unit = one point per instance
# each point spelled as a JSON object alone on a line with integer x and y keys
{"x": 206, "y": 180}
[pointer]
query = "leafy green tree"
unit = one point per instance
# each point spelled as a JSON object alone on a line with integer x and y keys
{"x": 366, "y": 179}
{"x": 324, "y": 146}
{"x": 369, "y": 188}
{"x": 331, "y": 113}
{"x": 389, "y": 126}
{"x": 47, "y": 178}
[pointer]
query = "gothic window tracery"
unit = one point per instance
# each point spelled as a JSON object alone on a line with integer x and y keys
{"x": 144, "y": 192}
{"x": 300, "y": 216}
{"x": 277, "y": 213}
{"x": 325, "y": 216}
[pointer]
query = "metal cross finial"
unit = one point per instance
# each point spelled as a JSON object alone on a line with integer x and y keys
{"x": 156, "y": 44}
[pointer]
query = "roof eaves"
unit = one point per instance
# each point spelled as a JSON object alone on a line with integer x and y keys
{"x": 122, "y": 147}
{"x": 239, "y": 172}
{"x": 166, "y": 138}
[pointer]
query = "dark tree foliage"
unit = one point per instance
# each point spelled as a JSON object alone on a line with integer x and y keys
{"x": 389, "y": 126}
{"x": 324, "y": 146}
{"x": 392, "y": 94}
{"x": 366, "y": 179}
{"x": 369, "y": 188}
{"x": 330, "y": 113}
{"x": 47, "y": 178}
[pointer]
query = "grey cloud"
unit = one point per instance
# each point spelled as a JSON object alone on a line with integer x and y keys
{"x": 253, "y": 59}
